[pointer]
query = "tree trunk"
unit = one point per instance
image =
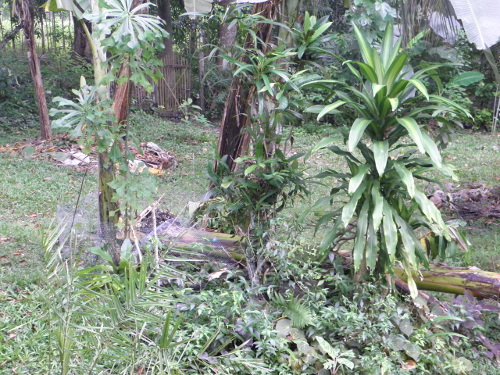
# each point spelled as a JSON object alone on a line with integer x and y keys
{"x": 226, "y": 35}
{"x": 165, "y": 13}
{"x": 108, "y": 210}
{"x": 457, "y": 280}
{"x": 81, "y": 45}
{"x": 29, "y": 32}
{"x": 11, "y": 35}
{"x": 440, "y": 278}
{"x": 233, "y": 139}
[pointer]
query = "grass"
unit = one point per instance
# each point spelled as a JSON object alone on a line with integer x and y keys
{"x": 31, "y": 188}
{"x": 476, "y": 157}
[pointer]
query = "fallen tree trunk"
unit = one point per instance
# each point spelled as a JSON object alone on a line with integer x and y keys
{"x": 439, "y": 278}
{"x": 457, "y": 280}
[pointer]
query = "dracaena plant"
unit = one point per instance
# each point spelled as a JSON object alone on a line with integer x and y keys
{"x": 388, "y": 148}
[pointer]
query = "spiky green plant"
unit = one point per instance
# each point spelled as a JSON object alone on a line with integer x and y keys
{"x": 385, "y": 209}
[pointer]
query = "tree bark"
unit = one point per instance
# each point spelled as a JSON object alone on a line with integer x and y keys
{"x": 165, "y": 13}
{"x": 11, "y": 35}
{"x": 29, "y": 33}
{"x": 233, "y": 139}
{"x": 81, "y": 45}
{"x": 226, "y": 35}
{"x": 457, "y": 280}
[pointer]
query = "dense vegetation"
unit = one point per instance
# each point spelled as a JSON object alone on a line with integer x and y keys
{"x": 323, "y": 184}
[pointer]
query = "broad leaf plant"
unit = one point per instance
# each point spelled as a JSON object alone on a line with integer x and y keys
{"x": 388, "y": 149}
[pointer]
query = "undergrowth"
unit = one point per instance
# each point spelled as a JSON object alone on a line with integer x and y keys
{"x": 307, "y": 318}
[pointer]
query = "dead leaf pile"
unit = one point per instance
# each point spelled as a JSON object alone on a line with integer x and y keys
{"x": 64, "y": 151}
{"x": 474, "y": 202}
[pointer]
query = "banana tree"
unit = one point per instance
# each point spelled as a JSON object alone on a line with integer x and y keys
{"x": 204, "y": 6}
{"x": 385, "y": 209}
{"x": 480, "y": 22}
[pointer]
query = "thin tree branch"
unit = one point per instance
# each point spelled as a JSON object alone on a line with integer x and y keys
{"x": 11, "y": 35}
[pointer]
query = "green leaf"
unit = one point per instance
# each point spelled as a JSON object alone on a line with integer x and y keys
{"x": 364, "y": 46}
{"x": 350, "y": 207}
{"x": 394, "y": 103}
{"x": 376, "y": 88}
{"x": 103, "y": 254}
{"x": 368, "y": 72}
{"x": 320, "y": 30}
{"x": 250, "y": 169}
{"x": 389, "y": 50}
{"x": 430, "y": 211}
{"x": 371, "y": 247}
{"x": 432, "y": 150}
{"x": 330, "y": 237}
{"x": 412, "y": 286}
{"x": 409, "y": 240}
{"x": 358, "y": 178}
{"x": 378, "y": 205}
{"x": 325, "y": 142}
{"x": 361, "y": 232}
{"x": 407, "y": 177}
{"x": 115, "y": 154}
{"x": 381, "y": 154}
{"x": 357, "y": 130}
{"x": 413, "y": 130}
{"x": 390, "y": 231}
{"x": 420, "y": 86}
{"x": 307, "y": 22}
{"x": 331, "y": 108}
{"x": 226, "y": 184}
{"x": 394, "y": 70}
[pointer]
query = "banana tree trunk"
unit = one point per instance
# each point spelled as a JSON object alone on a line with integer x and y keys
{"x": 439, "y": 278}
{"x": 457, "y": 280}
